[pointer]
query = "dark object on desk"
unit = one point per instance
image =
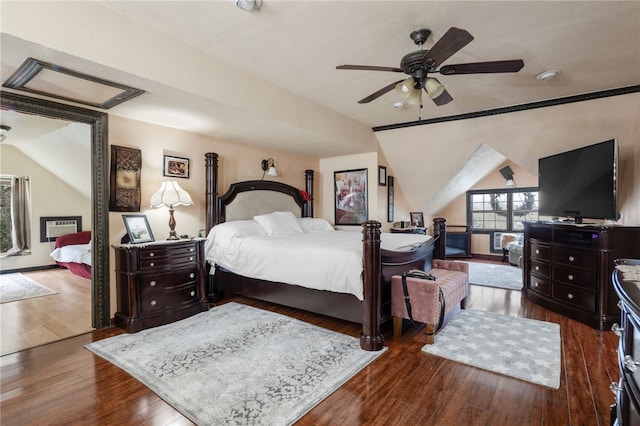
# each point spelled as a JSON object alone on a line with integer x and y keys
{"x": 414, "y": 230}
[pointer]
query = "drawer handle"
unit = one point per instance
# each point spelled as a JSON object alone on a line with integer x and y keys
{"x": 536, "y": 284}
{"x": 151, "y": 254}
{"x": 537, "y": 251}
{"x": 615, "y": 388}
{"x": 570, "y": 277}
{"x": 153, "y": 303}
{"x": 152, "y": 284}
{"x": 619, "y": 304}
{"x": 617, "y": 329}
{"x": 537, "y": 268}
{"x": 191, "y": 249}
{"x": 193, "y": 293}
{"x": 152, "y": 264}
{"x": 572, "y": 259}
{"x": 192, "y": 275}
{"x": 630, "y": 364}
{"x": 190, "y": 257}
{"x": 570, "y": 296}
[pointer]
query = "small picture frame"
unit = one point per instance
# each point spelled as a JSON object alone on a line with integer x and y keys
{"x": 417, "y": 219}
{"x": 138, "y": 228}
{"x": 176, "y": 167}
{"x": 382, "y": 176}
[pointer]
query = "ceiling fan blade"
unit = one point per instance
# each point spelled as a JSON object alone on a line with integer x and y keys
{"x": 379, "y": 92}
{"x": 513, "y": 65}
{"x": 443, "y": 99}
{"x": 368, "y": 68}
{"x": 452, "y": 41}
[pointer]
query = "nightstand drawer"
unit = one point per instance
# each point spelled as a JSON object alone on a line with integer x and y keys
{"x": 572, "y": 256}
{"x": 574, "y": 296}
{"x": 163, "y": 301}
{"x": 158, "y": 282}
{"x": 165, "y": 263}
{"x": 577, "y": 277}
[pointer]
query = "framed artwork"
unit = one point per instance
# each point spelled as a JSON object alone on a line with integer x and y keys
{"x": 125, "y": 193}
{"x": 417, "y": 219}
{"x": 390, "y": 199}
{"x": 382, "y": 176}
{"x": 351, "y": 200}
{"x": 176, "y": 167}
{"x": 138, "y": 228}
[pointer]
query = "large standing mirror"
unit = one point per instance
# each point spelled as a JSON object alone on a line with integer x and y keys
{"x": 98, "y": 121}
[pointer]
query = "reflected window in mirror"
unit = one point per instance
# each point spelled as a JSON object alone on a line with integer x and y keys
{"x": 15, "y": 215}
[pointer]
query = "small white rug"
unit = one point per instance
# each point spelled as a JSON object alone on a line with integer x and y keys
{"x": 15, "y": 287}
{"x": 518, "y": 347}
{"x": 494, "y": 275}
{"x": 236, "y": 364}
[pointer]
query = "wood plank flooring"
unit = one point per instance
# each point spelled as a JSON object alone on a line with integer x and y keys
{"x": 40, "y": 320}
{"x": 63, "y": 383}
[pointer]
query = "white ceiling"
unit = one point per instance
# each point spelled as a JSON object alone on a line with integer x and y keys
{"x": 268, "y": 77}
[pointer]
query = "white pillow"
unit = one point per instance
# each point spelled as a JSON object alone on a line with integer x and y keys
{"x": 312, "y": 224}
{"x": 279, "y": 223}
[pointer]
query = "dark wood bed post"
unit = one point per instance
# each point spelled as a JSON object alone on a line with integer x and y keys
{"x": 211, "y": 189}
{"x": 440, "y": 232}
{"x": 371, "y": 338}
{"x": 308, "y": 186}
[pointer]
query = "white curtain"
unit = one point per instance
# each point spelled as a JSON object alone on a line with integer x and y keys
{"x": 20, "y": 216}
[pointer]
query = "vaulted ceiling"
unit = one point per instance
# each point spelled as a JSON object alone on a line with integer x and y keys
{"x": 269, "y": 77}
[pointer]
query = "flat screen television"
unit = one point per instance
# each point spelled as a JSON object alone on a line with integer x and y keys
{"x": 580, "y": 183}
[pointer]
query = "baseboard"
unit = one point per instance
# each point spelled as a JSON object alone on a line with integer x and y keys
{"x": 30, "y": 269}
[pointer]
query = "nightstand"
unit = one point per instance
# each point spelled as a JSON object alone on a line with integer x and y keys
{"x": 159, "y": 283}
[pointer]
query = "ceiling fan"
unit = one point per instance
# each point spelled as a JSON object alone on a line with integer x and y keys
{"x": 420, "y": 63}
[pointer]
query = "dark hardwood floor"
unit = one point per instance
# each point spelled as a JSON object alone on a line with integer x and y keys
{"x": 63, "y": 383}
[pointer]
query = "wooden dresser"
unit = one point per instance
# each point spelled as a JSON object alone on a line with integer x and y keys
{"x": 158, "y": 283}
{"x": 567, "y": 268}
{"x": 626, "y": 410}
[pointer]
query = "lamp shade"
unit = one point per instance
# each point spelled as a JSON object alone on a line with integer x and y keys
{"x": 433, "y": 88}
{"x": 170, "y": 194}
{"x": 404, "y": 88}
{"x": 415, "y": 97}
{"x": 272, "y": 171}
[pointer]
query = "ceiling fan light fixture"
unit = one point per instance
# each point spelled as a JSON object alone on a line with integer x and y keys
{"x": 415, "y": 97}
{"x": 405, "y": 88}
{"x": 433, "y": 87}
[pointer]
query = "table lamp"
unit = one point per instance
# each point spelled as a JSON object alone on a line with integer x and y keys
{"x": 170, "y": 194}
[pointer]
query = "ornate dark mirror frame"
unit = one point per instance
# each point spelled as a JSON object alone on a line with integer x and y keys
{"x": 100, "y": 313}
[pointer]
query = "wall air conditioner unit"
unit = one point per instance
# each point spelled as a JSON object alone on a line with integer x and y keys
{"x": 54, "y": 227}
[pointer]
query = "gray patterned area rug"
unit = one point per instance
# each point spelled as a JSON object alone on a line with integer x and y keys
{"x": 518, "y": 347}
{"x": 14, "y": 287}
{"x": 236, "y": 364}
{"x": 494, "y": 275}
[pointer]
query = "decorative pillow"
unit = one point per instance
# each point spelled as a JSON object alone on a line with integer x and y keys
{"x": 279, "y": 223}
{"x": 312, "y": 224}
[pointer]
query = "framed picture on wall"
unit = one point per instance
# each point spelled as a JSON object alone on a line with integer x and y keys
{"x": 351, "y": 199}
{"x": 176, "y": 167}
{"x": 382, "y": 176}
{"x": 417, "y": 219}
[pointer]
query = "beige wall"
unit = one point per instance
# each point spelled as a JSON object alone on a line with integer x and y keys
{"x": 50, "y": 197}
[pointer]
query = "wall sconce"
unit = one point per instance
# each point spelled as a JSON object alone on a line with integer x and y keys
{"x": 170, "y": 194}
{"x": 507, "y": 173}
{"x": 268, "y": 167}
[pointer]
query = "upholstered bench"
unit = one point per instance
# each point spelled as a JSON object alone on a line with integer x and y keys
{"x": 429, "y": 298}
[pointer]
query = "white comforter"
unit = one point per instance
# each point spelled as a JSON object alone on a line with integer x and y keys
{"x": 78, "y": 253}
{"x": 328, "y": 260}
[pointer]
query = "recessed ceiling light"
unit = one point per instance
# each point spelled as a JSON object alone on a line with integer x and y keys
{"x": 547, "y": 75}
{"x": 249, "y": 5}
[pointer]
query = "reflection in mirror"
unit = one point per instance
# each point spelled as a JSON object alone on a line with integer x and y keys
{"x": 97, "y": 130}
{"x": 15, "y": 213}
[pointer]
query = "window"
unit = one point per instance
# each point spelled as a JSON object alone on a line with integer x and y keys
{"x": 15, "y": 215}
{"x": 502, "y": 210}
{"x": 5, "y": 214}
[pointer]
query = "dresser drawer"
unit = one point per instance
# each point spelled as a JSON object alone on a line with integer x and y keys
{"x": 577, "y": 277}
{"x": 574, "y": 296}
{"x": 540, "y": 269}
{"x": 163, "y": 301}
{"x": 540, "y": 285}
{"x": 150, "y": 283}
{"x": 540, "y": 252}
{"x": 577, "y": 257}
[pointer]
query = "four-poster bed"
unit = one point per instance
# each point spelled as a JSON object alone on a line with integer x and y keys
{"x": 245, "y": 200}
